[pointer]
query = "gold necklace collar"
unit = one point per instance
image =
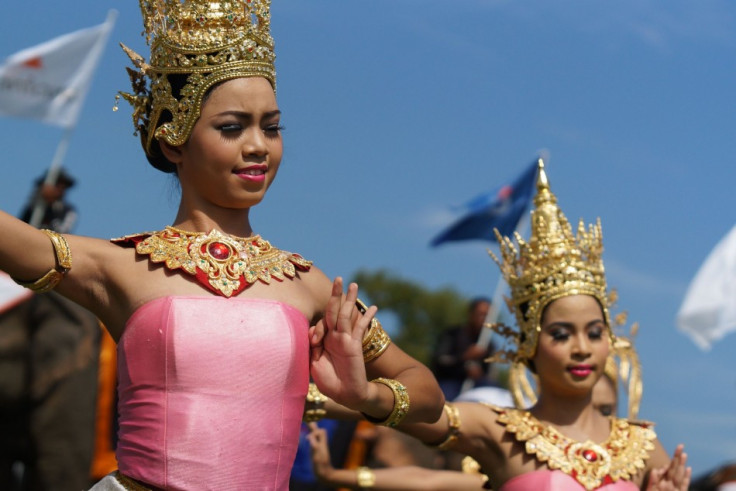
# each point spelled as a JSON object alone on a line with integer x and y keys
{"x": 223, "y": 263}
{"x": 621, "y": 456}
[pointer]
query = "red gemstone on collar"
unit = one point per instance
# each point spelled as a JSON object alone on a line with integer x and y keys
{"x": 218, "y": 250}
{"x": 590, "y": 455}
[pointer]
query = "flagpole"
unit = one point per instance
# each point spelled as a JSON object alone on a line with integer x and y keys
{"x": 88, "y": 66}
{"x": 486, "y": 334}
{"x": 39, "y": 208}
{"x": 484, "y": 213}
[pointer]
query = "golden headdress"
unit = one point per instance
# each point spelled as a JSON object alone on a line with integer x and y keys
{"x": 554, "y": 263}
{"x": 203, "y": 42}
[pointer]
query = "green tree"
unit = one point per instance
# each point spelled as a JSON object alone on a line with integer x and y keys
{"x": 422, "y": 313}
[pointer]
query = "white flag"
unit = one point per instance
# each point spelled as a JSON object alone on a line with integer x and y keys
{"x": 709, "y": 310}
{"x": 49, "y": 81}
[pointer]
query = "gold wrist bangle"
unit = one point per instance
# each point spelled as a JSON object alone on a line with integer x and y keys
{"x": 453, "y": 417}
{"x": 366, "y": 478}
{"x": 375, "y": 340}
{"x": 318, "y": 399}
{"x": 401, "y": 403}
{"x": 471, "y": 466}
{"x": 63, "y": 264}
{"x": 313, "y": 415}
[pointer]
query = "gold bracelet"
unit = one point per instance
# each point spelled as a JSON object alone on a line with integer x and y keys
{"x": 315, "y": 397}
{"x": 366, "y": 478}
{"x": 375, "y": 340}
{"x": 313, "y": 415}
{"x": 63, "y": 264}
{"x": 453, "y": 417}
{"x": 471, "y": 466}
{"x": 401, "y": 403}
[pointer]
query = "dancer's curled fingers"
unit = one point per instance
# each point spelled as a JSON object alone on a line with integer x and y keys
{"x": 316, "y": 340}
{"x": 351, "y": 320}
{"x": 364, "y": 322}
{"x": 675, "y": 476}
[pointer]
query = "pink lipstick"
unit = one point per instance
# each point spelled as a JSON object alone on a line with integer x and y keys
{"x": 581, "y": 370}
{"x": 253, "y": 173}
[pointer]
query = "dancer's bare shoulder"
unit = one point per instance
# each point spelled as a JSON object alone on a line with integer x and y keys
{"x": 107, "y": 279}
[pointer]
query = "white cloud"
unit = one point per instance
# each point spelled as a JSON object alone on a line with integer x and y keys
{"x": 623, "y": 276}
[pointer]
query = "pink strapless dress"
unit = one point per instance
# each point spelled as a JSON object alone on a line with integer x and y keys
{"x": 211, "y": 393}
{"x": 548, "y": 480}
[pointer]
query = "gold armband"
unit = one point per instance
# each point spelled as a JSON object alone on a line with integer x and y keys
{"x": 54, "y": 276}
{"x": 401, "y": 403}
{"x": 375, "y": 340}
{"x": 453, "y": 416}
{"x": 366, "y": 478}
{"x": 317, "y": 399}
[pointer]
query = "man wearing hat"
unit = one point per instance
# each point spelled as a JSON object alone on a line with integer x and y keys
{"x": 58, "y": 215}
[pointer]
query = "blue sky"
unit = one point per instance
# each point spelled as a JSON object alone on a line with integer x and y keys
{"x": 395, "y": 111}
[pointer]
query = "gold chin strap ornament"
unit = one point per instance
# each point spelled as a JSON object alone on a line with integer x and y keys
{"x": 554, "y": 263}
{"x": 194, "y": 44}
{"x": 628, "y": 369}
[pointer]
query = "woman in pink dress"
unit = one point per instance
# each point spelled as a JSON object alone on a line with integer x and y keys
{"x": 560, "y": 300}
{"x": 218, "y": 331}
{"x": 604, "y": 399}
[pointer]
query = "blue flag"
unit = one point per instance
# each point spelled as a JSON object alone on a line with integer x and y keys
{"x": 501, "y": 209}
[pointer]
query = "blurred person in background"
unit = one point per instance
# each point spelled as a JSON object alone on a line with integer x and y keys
{"x": 458, "y": 360}
{"x": 48, "y": 374}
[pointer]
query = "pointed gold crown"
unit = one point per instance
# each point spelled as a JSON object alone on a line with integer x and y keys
{"x": 204, "y": 42}
{"x": 554, "y": 263}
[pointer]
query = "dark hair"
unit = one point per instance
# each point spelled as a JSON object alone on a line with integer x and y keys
{"x": 154, "y": 155}
{"x": 524, "y": 309}
{"x": 62, "y": 179}
{"x": 477, "y": 301}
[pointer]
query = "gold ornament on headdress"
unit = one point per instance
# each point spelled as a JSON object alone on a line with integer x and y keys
{"x": 629, "y": 372}
{"x": 554, "y": 263}
{"x": 204, "y": 42}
